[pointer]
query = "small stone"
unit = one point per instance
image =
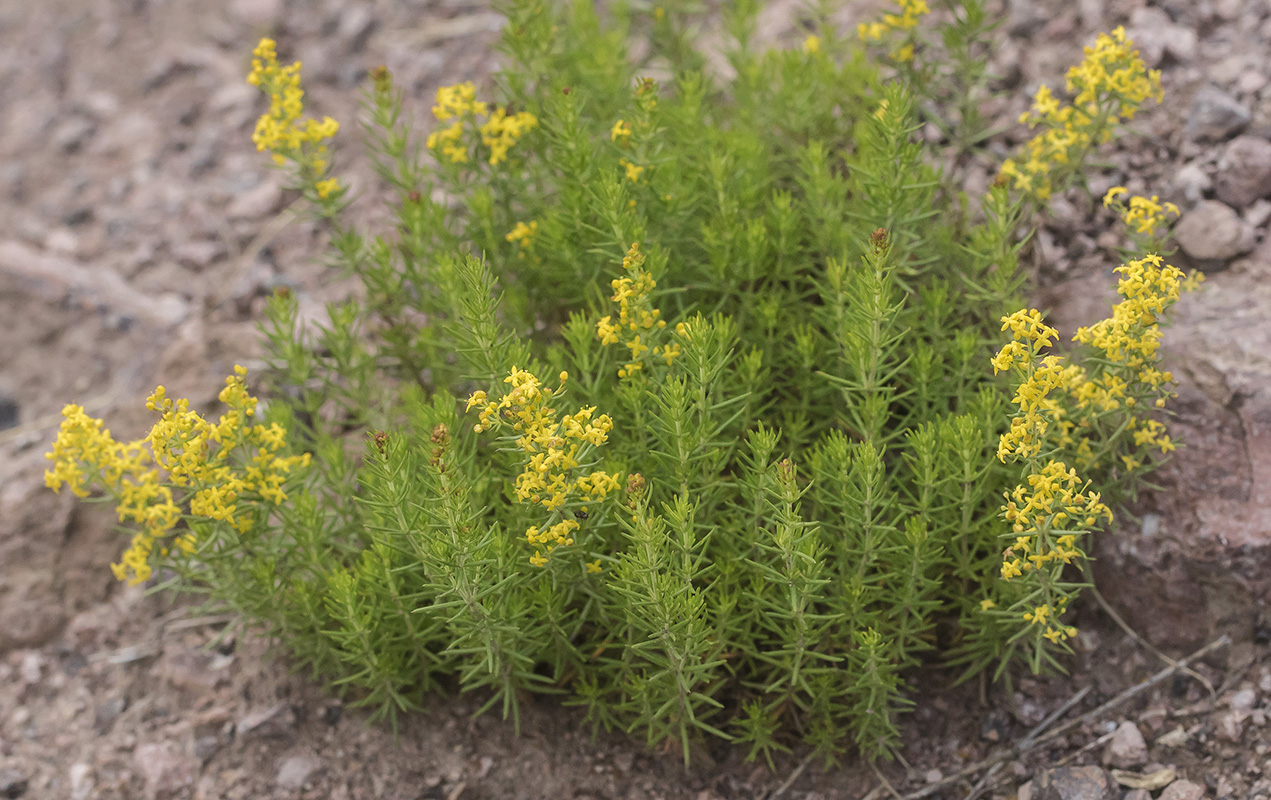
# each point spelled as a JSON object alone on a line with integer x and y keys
{"x": 1244, "y": 171}
{"x": 257, "y": 13}
{"x": 1230, "y": 725}
{"x": 1243, "y": 700}
{"x": 1156, "y": 37}
{"x": 205, "y": 747}
{"x": 356, "y": 25}
{"x": 296, "y": 771}
{"x": 1175, "y": 738}
{"x": 933, "y": 776}
{"x": 165, "y": 769}
{"x": 82, "y": 783}
{"x": 1183, "y": 790}
{"x": 1025, "y": 791}
{"x": 1137, "y": 794}
{"x": 1212, "y": 231}
{"x": 275, "y": 721}
{"x": 1127, "y": 748}
{"x": 199, "y": 253}
{"x": 256, "y": 203}
{"x": 1192, "y": 181}
{"x": 8, "y": 412}
{"x": 31, "y": 668}
{"x": 1074, "y": 783}
{"x": 1215, "y": 116}
{"x": 108, "y": 712}
{"x": 13, "y": 784}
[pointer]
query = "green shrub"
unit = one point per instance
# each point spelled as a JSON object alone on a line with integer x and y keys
{"x": 676, "y": 398}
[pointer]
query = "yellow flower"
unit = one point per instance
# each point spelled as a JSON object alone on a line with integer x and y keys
{"x": 593, "y": 567}
{"x": 986, "y": 604}
{"x": 620, "y": 134}
{"x": 281, "y": 130}
{"x": 812, "y": 44}
{"x": 326, "y": 187}
{"x": 633, "y": 171}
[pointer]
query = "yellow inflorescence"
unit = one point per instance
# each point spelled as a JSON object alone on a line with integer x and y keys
{"x": 281, "y": 131}
{"x": 1143, "y": 215}
{"x": 498, "y": 132}
{"x": 636, "y": 317}
{"x": 553, "y": 446}
{"x": 1109, "y": 86}
{"x": 906, "y": 20}
{"x": 523, "y": 234}
{"x": 182, "y": 451}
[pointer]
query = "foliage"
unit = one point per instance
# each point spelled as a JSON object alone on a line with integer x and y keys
{"x": 767, "y": 482}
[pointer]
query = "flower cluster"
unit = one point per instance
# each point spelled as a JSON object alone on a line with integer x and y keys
{"x": 281, "y": 131}
{"x": 553, "y": 447}
{"x": 186, "y": 453}
{"x": 1029, "y": 336}
{"x": 523, "y": 234}
{"x": 636, "y": 315}
{"x": 910, "y": 12}
{"x": 498, "y": 132}
{"x": 1109, "y": 86}
{"x": 1143, "y": 215}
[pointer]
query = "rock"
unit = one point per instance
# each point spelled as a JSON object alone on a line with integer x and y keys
{"x": 1183, "y": 790}
{"x": 205, "y": 747}
{"x": 166, "y": 770}
{"x": 357, "y": 23}
{"x": 1213, "y": 231}
{"x": 191, "y": 669}
{"x": 31, "y": 668}
{"x": 199, "y": 253}
{"x": 1192, "y": 181}
{"x": 1137, "y": 794}
{"x": 1127, "y": 747}
{"x": 1204, "y": 572}
{"x": 1074, "y": 783}
{"x": 256, "y": 203}
{"x": 13, "y": 784}
{"x": 82, "y": 783}
{"x": 1215, "y": 116}
{"x": 295, "y": 771}
{"x": 1230, "y": 725}
{"x": 276, "y": 721}
{"x": 1025, "y": 791}
{"x": 1244, "y": 171}
{"x": 258, "y": 13}
{"x": 8, "y": 412}
{"x": 1243, "y": 700}
{"x": 1156, "y": 37}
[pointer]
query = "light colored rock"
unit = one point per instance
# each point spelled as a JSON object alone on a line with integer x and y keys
{"x": 296, "y": 770}
{"x": 82, "y": 783}
{"x": 1156, "y": 36}
{"x": 1243, "y": 700}
{"x": 256, "y": 203}
{"x": 1213, "y": 231}
{"x": 1183, "y": 790}
{"x": 1193, "y": 182}
{"x": 257, "y": 13}
{"x": 1074, "y": 783}
{"x": 167, "y": 771}
{"x": 1215, "y": 116}
{"x": 1244, "y": 171}
{"x": 1127, "y": 747}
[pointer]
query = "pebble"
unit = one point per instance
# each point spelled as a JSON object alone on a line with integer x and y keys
{"x": 1230, "y": 725}
{"x": 82, "y": 783}
{"x": 1183, "y": 790}
{"x": 1137, "y": 794}
{"x": 257, "y": 13}
{"x": 277, "y": 720}
{"x": 256, "y": 203}
{"x": 8, "y": 412}
{"x": 1156, "y": 37}
{"x": 296, "y": 771}
{"x": 1127, "y": 747}
{"x": 1074, "y": 783}
{"x": 1212, "y": 231}
{"x": 1243, "y": 700}
{"x": 1244, "y": 171}
{"x": 166, "y": 770}
{"x": 13, "y": 784}
{"x": 1192, "y": 181}
{"x": 199, "y": 253}
{"x": 1216, "y": 116}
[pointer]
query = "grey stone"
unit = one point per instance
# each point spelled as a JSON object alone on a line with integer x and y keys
{"x": 167, "y": 771}
{"x": 1156, "y": 37}
{"x": 1074, "y": 783}
{"x": 1127, "y": 747}
{"x": 1244, "y": 171}
{"x": 1216, "y": 116}
{"x": 1243, "y": 700}
{"x": 82, "y": 783}
{"x": 295, "y": 771}
{"x": 1192, "y": 181}
{"x": 1213, "y": 231}
{"x": 1137, "y": 794}
{"x": 13, "y": 784}
{"x": 1183, "y": 790}
{"x": 256, "y": 203}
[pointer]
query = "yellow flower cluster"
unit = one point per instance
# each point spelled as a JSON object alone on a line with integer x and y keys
{"x": 553, "y": 448}
{"x": 281, "y": 131}
{"x": 621, "y": 133}
{"x": 910, "y": 12}
{"x": 1132, "y": 335}
{"x": 1029, "y": 336}
{"x": 1109, "y": 85}
{"x": 187, "y": 452}
{"x": 636, "y": 314}
{"x": 523, "y": 233}
{"x": 498, "y": 133}
{"x": 1143, "y": 215}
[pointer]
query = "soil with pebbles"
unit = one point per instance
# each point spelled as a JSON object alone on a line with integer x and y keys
{"x": 139, "y": 235}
